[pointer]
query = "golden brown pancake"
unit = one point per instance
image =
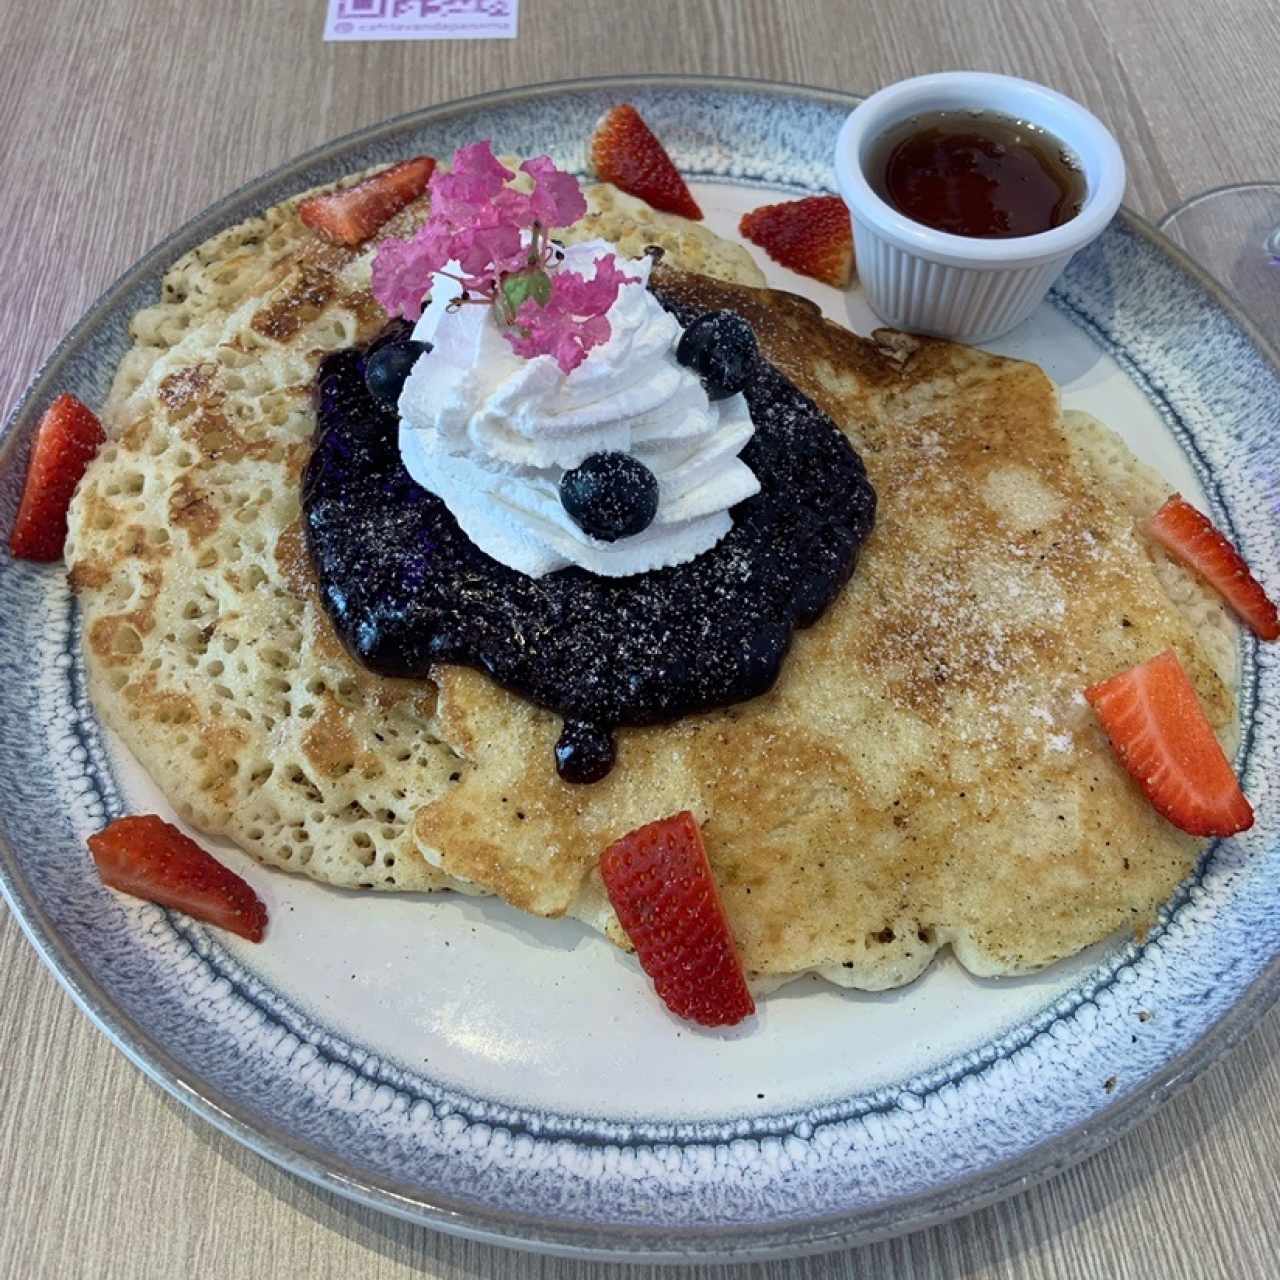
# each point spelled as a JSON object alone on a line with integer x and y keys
{"x": 204, "y": 643}
{"x": 925, "y": 772}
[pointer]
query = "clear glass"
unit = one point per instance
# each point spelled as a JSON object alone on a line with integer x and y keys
{"x": 1234, "y": 233}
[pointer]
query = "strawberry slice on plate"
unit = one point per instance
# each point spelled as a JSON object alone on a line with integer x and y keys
{"x": 623, "y": 150}
{"x": 1190, "y": 537}
{"x": 66, "y": 439}
{"x": 352, "y": 215}
{"x": 1155, "y": 723}
{"x": 149, "y": 858}
{"x": 812, "y": 236}
{"x": 660, "y": 883}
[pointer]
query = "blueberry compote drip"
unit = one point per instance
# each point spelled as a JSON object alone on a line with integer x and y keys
{"x": 407, "y": 589}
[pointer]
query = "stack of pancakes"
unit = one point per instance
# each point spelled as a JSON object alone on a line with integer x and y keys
{"x": 925, "y": 772}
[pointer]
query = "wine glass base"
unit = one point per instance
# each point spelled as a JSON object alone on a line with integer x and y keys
{"x": 1234, "y": 234}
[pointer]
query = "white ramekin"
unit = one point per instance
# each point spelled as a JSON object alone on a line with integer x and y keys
{"x": 960, "y": 287}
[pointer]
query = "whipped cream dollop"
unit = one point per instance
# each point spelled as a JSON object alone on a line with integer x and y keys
{"x": 491, "y": 433}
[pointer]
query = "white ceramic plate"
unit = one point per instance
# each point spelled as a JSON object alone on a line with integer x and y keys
{"x": 524, "y": 1085}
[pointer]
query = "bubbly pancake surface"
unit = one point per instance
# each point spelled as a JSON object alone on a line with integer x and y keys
{"x": 925, "y": 772}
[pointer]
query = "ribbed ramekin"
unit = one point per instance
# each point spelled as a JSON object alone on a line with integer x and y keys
{"x": 961, "y": 287}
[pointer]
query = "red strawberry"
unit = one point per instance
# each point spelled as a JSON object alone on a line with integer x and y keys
{"x": 351, "y": 216}
{"x": 66, "y": 439}
{"x": 661, "y": 886}
{"x": 812, "y": 236}
{"x": 624, "y": 151}
{"x": 1155, "y": 723}
{"x": 1189, "y": 537}
{"x": 148, "y": 858}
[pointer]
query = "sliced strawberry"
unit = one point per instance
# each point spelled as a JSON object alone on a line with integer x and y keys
{"x": 149, "y": 858}
{"x": 624, "y": 151}
{"x": 351, "y": 216}
{"x": 1188, "y": 536}
{"x": 812, "y": 236}
{"x": 661, "y": 886}
{"x": 1155, "y": 723}
{"x": 66, "y": 439}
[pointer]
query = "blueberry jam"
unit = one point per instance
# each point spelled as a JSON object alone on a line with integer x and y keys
{"x": 406, "y": 588}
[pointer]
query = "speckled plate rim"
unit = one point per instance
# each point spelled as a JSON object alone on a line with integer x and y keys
{"x": 541, "y": 1233}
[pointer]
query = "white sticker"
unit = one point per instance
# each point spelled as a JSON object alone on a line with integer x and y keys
{"x": 421, "y": 19}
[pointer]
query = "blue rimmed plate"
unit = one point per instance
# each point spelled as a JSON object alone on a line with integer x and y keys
{"x": 514, "y": 1079}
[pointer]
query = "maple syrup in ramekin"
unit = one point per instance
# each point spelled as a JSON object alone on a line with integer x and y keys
{"x": 977, "y": 174}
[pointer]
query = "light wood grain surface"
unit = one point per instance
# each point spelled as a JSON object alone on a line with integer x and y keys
{"x": 124, "y": 118}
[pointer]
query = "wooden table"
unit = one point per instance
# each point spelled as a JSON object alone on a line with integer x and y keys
{"x": 122, "y": 120}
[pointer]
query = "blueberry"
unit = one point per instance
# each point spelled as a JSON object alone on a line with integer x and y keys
{"x": 720, "y": 347}
{"x": 386, "y": 369}
{"x": 610, "y": 496}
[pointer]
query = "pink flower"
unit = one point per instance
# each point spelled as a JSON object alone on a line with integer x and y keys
{"x": 470, "y": 223}
{"x": 489, "y": 248}
{"x": 476, "y": 176}
{"x": 594, "y": 296}
{"x": 573, "y": 320}
{"x": 402, "y": 275}
{"x": 557, "y": 199}
{"x": 493, "y": 232}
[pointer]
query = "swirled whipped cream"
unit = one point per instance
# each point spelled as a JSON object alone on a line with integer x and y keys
{"x": 492, "y": 433}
